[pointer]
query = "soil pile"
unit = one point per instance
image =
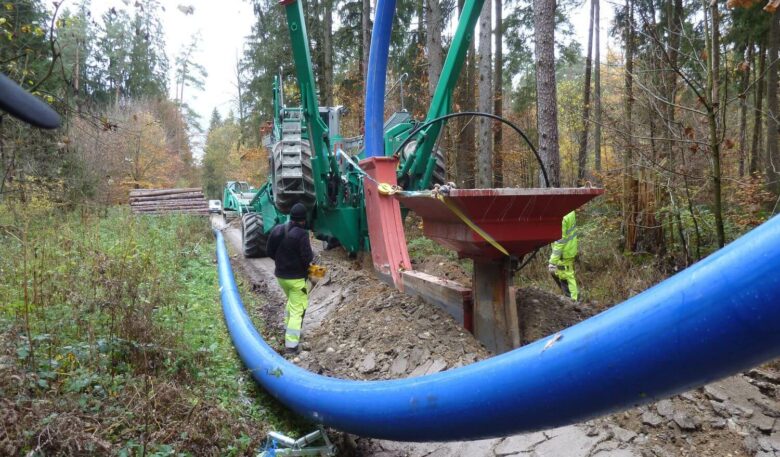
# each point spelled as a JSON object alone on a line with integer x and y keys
{"x": 541, "y": 313}
{"x": 375, "y": 332}
{"x": 443, "y": 267}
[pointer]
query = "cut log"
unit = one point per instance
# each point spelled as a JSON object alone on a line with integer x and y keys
{"x": 185, "y": 200}
{"x": 170, "y": 207}
{"x": 172, "y": 203}
{"x": 153, "y": 192}
{"x": 171, "y": 210}
{"x": 172, "y": 213}
{"x": 186, "y": 195}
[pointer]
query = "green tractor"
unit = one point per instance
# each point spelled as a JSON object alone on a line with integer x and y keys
{"x": 308, "y": 159}
{"x": 236, "y": 196}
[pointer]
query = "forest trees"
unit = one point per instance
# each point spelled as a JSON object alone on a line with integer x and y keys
{"x": 485, "y": 103}
{"x": 107, "y": 76}
{"x": 691, "y": 71}
{"x": 224, "y": 160}
{"x": 773, "y": 107}
{"x": 546, "y": 100}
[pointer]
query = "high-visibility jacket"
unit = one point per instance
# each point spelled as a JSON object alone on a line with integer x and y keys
{"x": 565, "y": 249}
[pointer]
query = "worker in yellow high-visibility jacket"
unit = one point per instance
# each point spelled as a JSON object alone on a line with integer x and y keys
{"x": 564, "y": 251}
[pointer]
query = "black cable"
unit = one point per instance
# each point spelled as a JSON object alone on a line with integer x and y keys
{"x": 417, "y": 129}
{"x": 527, "y": 260}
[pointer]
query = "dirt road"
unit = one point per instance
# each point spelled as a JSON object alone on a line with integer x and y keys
{"x": 359, "y": 328}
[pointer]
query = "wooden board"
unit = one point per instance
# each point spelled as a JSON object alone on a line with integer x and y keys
{"x": 451, "y": 296}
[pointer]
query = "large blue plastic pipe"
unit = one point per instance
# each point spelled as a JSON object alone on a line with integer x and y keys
{"x": 716, "y": 318}
{"x": 375, "y": 78}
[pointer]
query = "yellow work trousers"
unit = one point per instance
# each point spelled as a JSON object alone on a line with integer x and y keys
{"x": 297, "y": 302}
{"x": 564, "y": 276}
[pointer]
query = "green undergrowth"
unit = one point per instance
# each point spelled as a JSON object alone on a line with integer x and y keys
{"x": 421, "y": 248}
{"x": 605, "y": 275}
{"x": 112, "y": 340}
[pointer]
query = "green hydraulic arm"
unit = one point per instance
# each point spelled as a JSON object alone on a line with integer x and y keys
{"x": 323, "y": 163}
{"x": 339, "y": 207}
{"x": 419, "y": 167}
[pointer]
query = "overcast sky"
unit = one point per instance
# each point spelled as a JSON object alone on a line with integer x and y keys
{"x": 223, "y": 26}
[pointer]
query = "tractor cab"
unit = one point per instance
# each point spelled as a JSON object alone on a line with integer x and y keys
{"x": 236, "y": 197}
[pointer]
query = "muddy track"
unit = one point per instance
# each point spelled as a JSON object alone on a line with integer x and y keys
{"x": 359, "y": 328}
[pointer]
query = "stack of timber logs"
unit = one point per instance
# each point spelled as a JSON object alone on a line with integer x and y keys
{"x": 166, "y": 201}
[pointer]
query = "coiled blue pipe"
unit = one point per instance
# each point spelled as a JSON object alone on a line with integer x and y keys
{"x": 714, "y": 319}
{"x": 375, "y": 78}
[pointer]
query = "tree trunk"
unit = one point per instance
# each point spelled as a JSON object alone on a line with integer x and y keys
{"x": 241, "y": 110}
{"x": 673, "y": 52}
{"x": 77, "y": 70}
{"x": 4, "y": 163}
{"x": 485, "y": 105}
{"x": 583, "y": 155}
{"x": 464, "y": 163}
{"x": 470, "y": 131}
{"x": 433, "y": 44}
{"x": 546, "y": 102}
{"x": 364, "y": 47}
{"x": 181, "y": 87}
{"x": 773, "y": 110}
{"x": 747, "y": 53}
{"x": 420, "y": 23}
{"x": 498, "y": 90}
{"x": 597, "y": 89}
{"x": 713, "y": 82}
{"x": 327, "y": 53}
{"x": 755, "y": 158}
{"x": 366, "y": 33}
{"x": 629, "y": 180}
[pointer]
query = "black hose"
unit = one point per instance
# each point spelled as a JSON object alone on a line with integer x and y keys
{"x": 417, "y": 129}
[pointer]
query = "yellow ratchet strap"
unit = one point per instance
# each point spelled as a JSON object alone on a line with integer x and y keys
{"x": 387, "y": 189}
{"x": 454, "y": 208}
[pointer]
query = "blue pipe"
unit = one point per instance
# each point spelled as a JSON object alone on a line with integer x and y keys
{"x": 716, "y": 318}
{"x": 375, "y": 78}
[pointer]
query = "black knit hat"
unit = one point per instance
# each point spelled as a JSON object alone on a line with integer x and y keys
{"x": 25, "y": 106}
{"x": 298, "y": 213}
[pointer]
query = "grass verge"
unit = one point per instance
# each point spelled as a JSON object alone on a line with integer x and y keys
{"x": 112, "y": 341}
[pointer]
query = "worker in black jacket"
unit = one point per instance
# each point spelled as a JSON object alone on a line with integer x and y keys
{"x": 289, "y": 246}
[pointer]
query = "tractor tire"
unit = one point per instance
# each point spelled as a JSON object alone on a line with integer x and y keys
{"x": 285, "y": 198}
{"x": 253, "y": 240}
{"x": 439, "y": 175}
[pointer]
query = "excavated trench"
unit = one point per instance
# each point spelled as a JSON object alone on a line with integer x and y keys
{"x": 357, "y": 327}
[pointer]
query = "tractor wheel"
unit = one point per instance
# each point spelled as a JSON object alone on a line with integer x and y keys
{"x": 253, "y": 240}
{"x": 439, "y": 175}
{"x": 303, "y": 191}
